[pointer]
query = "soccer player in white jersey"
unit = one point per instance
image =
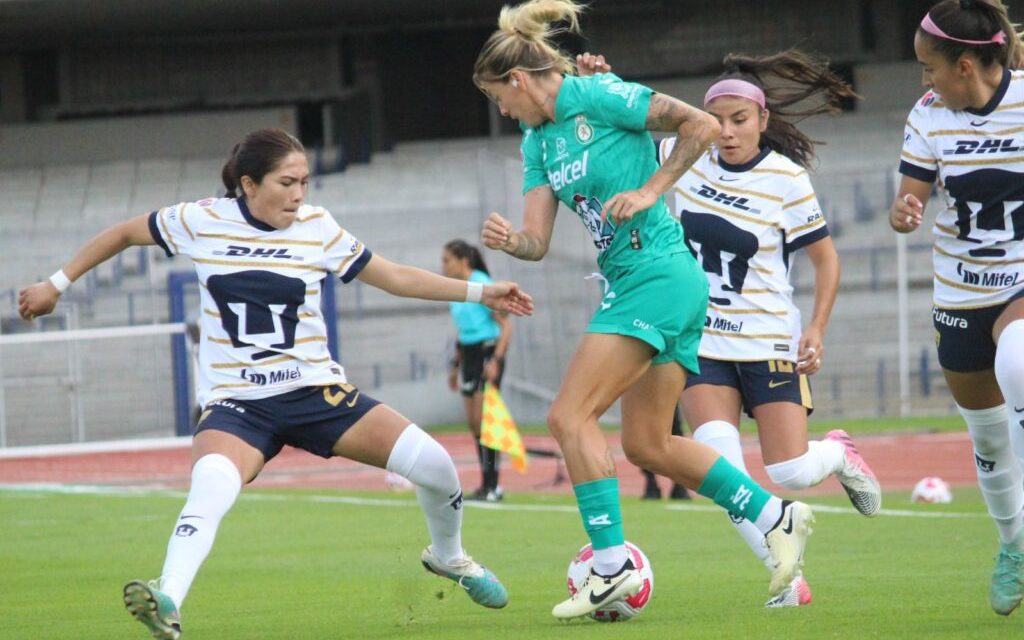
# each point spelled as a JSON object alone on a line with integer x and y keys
{"x": 267, "y": 378}
{"x": 965, "y": 136}
{"x": 746, "y": 206}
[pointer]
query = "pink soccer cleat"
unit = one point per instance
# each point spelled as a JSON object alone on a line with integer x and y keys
{"x": 856, "y": 476}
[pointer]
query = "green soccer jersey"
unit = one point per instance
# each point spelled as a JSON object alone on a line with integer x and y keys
{"x": 597, "y": 147}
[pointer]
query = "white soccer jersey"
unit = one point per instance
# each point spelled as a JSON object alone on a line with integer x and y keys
{"x": 263, "y": 332}
{"x": 977, "y": 158}
{"x": 742, "y": 223}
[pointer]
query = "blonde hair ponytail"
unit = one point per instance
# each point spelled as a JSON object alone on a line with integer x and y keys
{"x": 523, "y": 40}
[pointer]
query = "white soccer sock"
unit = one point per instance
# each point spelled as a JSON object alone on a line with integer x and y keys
{"x": 999, "y": 474}
{"x": 822, "y": 459}
{"x": 725, "y": 439}
{"x": 425, "y": 463}
{"x": 1009, "y": 368}
{"x": 215, "y": 486}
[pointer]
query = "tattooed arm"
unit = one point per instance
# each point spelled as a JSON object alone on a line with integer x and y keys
{"x": 532, "y": 241}
{"x": 695, "y": 130}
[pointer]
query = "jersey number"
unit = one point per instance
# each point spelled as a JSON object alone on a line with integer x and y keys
{"x": 994, "y": 199}
{"x": 258, "y": 307}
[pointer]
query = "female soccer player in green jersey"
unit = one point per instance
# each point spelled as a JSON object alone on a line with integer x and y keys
{"x": 586, "y": 144}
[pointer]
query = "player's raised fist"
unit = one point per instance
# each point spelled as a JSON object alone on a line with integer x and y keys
{"x": 496, "y": 232}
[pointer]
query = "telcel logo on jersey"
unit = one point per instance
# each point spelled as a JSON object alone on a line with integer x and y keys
{"x": 996, "y": 145}
{"x": 273, "y": 377}
{"x": 569, "y": 172}
{"x": 236, "y": 251}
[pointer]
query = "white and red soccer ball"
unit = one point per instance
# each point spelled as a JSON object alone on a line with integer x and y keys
{"x": 931, "y": 490}
{"x": 620, "y": 610}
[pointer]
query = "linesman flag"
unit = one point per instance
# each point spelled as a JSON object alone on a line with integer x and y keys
{"x": 498, "y": 430}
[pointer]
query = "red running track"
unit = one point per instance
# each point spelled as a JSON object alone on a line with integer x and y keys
{"x": 899, "y": 460}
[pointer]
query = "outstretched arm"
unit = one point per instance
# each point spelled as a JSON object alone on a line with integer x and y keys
{"x": 695, "y": 130}
{"x": 413, "y": 282}
{"x": 41, "y": 298}
{"x": 532, "y": 241}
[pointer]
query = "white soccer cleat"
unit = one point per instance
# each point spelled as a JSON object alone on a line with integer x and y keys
{"x": 858, "y": 480}
{"x": 786, "y": 544}
{"x": 597, "y": 591}
{"x": 796, "y": 594}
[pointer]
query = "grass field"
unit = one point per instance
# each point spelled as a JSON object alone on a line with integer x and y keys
{"x": 303, "y": 564}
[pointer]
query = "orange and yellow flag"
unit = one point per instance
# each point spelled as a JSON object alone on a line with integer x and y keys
{"x": 498, "y": 430}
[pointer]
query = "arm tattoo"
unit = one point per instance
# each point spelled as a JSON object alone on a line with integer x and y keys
{"x": 526, "y": 247}
{"x": 668, "y": 114}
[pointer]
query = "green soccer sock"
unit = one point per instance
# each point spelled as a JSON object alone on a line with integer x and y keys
{"x": 598, "y": 502}
{"x": 735, "y": 491}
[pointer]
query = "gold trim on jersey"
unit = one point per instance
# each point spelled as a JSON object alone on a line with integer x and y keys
{"x": 1009, "y": 294}
{"x": 225, "y": 236}
{"x": 185, "y": 224}
{"x": 732, "y": 189}
{"x": 984, "y": 161}
{"x": 307, "y": 314}
{"x": 947, "y": 230}
{"x": 312, "y": 292}
{"x": 1007, "y": 107}
{"x": 213, "y": 214}
{"x": 333, "y": 241}
{"x": 356, "y": 250}
{"x": 914, "y": 129}
{"x": 311, "y": 339}
{"x": 248, "y": 263}
{"x": 768, "y": 248}
{"x": 261, "y": 363}
{"x": 210, "y": 312}
{"x": 987, "y": 263}
{"x": 752, "y": 336}
{"x": 765, "y": 270}
{"x": 728, "y": 359}
{"x": 233, "y": 385}
{"x": 725, "y": 212}
{"x": 163, "y": 225}
{"x": 810, "y": 225}
{"x": 911, "y": 156}
{"x": 747, "y": 291}
{"x": 781, "y": 172}
{"x": 219, "y": 340}
{"x": 807, "y": 198}
{"x": 965, "y": 287}
{"x": 314, "y": 216}
{"x": 749, "y": 311}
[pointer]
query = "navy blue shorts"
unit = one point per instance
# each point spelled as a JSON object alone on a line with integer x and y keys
{"x": 758, "y": 382}
{"x": 963, "y": 337}
{"x": 310, "y": 418}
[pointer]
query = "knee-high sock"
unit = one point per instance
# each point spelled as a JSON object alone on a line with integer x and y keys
{"x": 215, "y": 486}
{"x": 425, "y": 463}
{"x": 823, "y": 458}
{"x": 725, "y": 439}
{"x": 1009, "y": 368}
{"x": 999, "y": 473}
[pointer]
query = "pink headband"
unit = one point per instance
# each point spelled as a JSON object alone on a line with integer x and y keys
{"x": 735, "y": 87}
{"x": 929, "y": 26}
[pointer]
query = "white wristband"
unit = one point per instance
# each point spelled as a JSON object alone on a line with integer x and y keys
{"x": 474, "y": 291}
{"x": 60, "y": 281}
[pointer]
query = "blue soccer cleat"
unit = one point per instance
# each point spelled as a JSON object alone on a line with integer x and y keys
{"x": 480, "y": 583}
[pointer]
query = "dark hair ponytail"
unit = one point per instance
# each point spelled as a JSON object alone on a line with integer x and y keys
{"x": 803, "y": 78}
{"x": 463, "y": 250}
{"x": 975, "y": 20}
{"x": 256, "y": 156}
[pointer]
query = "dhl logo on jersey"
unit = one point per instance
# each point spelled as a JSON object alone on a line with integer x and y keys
{"x": 994, "y": 145}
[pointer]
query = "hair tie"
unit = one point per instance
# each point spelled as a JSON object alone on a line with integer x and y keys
{"x": 928, "y": 26}
{"x": 735, "y": 87}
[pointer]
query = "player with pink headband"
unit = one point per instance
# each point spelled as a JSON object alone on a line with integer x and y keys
{"x": 746, "y": 206}
{"x": 963, "y": 136}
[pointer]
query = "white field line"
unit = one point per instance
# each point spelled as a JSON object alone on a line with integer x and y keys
{"x": 128, "y": 492}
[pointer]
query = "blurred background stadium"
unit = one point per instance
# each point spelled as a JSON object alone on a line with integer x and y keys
{"x": 111, "y": 108}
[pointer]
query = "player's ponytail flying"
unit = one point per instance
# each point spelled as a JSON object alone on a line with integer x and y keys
{"x": 523, "y": 40}
{"x": 808, "y": 87}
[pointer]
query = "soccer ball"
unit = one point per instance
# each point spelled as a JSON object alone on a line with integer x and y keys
{"x": 931, "y": 490}
{"x": 620, "y": 610}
